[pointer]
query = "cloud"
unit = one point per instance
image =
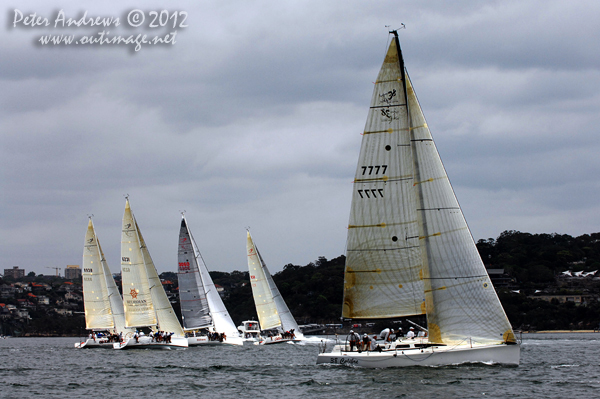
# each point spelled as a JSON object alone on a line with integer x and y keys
{"x": 253, "y": 118}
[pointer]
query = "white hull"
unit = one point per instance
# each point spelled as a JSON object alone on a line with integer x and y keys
{"x": 277, "y": 340}
{"x": 204, "y": 341}
{"x": 148, "y": 343}
{"x": 90, "y": 343}
{"x": 432, "y": 356}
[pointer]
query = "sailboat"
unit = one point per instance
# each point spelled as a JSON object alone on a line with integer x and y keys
{"x": 101, "y": 298}
{"x": 409, "y": 249}
{"x": 274, "y": 317}
{"x": 147, "y": 307}
{"x": 201, "y": 305}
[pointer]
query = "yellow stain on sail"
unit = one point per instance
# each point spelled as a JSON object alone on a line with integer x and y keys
{"x": 392, "y": 55}
{"x": 390, "y": 131}
{"x": 378, "y": 271}
{"x": 509, "y": 336}
{"x": 436, "y": 289}
{"x": 399, "y": 79}
{"x": 435, "y": 335}
{"x": 351, "y": 226}
{"x": 431, "y": 179}
{"x": 349, "y": 279}
{"x": 384, "y": 178}
{"x": 432, "y": 235}
{"x": 418, "y": 127}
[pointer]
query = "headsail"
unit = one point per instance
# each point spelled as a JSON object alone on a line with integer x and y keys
{"x": 288, "y": 322}
{"x": 165, "y": 315}
{"x": 460, "y": 298}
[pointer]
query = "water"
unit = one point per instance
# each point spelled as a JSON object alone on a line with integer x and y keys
{"x": 552, "y": 366}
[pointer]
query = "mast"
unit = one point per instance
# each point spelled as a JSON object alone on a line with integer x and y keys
{"x": 402, "y": 71}
{"x": 418, "y": 191}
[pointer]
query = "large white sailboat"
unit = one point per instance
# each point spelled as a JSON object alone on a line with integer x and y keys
{"x": 206, "y": 321}
{"x": 104, "y": 315}
{"x": 146, "y": 304}
{"x": 409, "y": 249}
{"x": 275, "y": 318}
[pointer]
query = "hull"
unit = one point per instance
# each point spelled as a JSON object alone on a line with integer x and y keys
{"x": 277, "y": 340}
{"x": 90, "y": 343}
{"x": 204, "y": 341}
{"x": 432, "y": 356}
{"x": 148, "y": 343}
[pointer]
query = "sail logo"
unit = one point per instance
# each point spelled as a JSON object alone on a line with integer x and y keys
{"x": 388, "y": 98}
{"x": 184, "y": 265}
{"x": 389, "y": 115}
{"x": 133, "y": 292}
{"x": 91, "y": 240}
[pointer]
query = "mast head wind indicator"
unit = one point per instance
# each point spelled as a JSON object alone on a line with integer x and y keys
{"x": 395, "y": 31}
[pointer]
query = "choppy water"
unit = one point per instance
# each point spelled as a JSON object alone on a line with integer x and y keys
{"x": 552, "y": 366}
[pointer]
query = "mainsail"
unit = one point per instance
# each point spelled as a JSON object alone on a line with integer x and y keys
{"x": 201, "y": 304}
{"x": 409, "y": 247}
{"x": 98, "y": 310}
{"x": 192, "y": 296}
{"x": 270, "y": 306}
{"x": 383, "y": 263}
{"x": 146, "y": 303}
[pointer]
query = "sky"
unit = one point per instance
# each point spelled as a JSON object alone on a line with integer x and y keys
{"x": 251, "y": 116}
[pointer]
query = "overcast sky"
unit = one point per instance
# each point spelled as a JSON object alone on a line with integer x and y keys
{"x": 253, "y": 118}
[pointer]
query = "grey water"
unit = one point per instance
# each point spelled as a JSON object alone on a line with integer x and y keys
{"x": 552, "y": 366}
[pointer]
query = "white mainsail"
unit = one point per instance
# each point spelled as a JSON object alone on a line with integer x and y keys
{"x": 201, "y": 304}
{"x": 270, "y": 306}
{"x": 409, "y": 248}
{"x": 99, "y": 314}
{"x": 146, "y": 303}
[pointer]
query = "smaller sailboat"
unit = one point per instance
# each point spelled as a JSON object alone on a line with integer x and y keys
{"x": 147, "y": 307}
{"x": 206, "y": 321}
{"x": 276, "y": 321}
{"x": 104, "y": 315}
